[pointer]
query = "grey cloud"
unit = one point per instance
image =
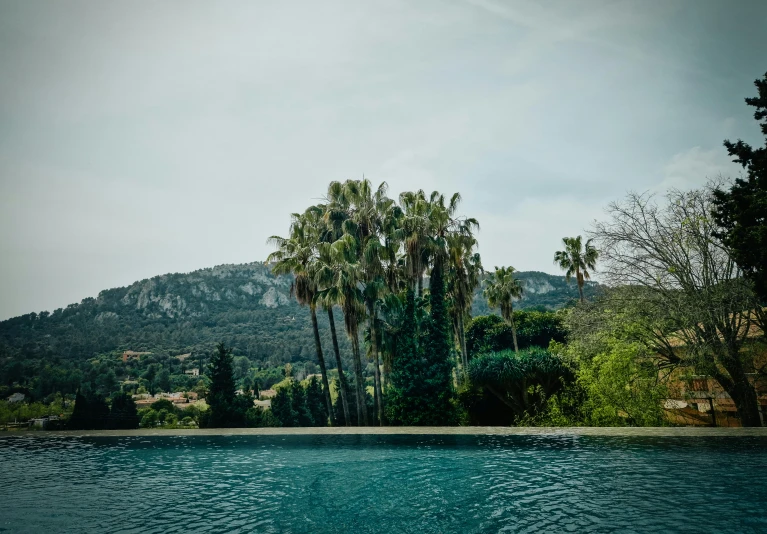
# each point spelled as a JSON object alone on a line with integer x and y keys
{"x": 138, "y": 138}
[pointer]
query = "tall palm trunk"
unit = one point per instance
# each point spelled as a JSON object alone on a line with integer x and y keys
{"x": 458, "y": 357}
{"x": 387, "y": 356}
{"x": 362, "y": 409}
{"x": 462, "y": 341}
{"x": 374, "y": 347}
{"x": 321, "y": 359}
{"x": 513, "y": 328}
{"x": 341, "y": 377}
{"x": 579, "y": 279}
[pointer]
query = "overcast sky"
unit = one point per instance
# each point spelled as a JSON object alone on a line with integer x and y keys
{"x": 140, "y": 138}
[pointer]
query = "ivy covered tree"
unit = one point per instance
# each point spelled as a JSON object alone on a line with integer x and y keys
{"x": 421, "y": 390}
{"x": 436, "y": 382}
{"x": 403, "y": 400}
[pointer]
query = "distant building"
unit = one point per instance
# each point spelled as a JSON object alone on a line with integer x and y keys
{"x": 42, "y": 422}
{"x": 192, "y": 372}
{"x": 700, "y": 400}
{"x": 267, "y": 394}
{"x": 129, "y": 354}
{"x": 183, "y": 357}
{"x": 17, "y": 397}
{"x": 181, "y": 399}
{"x": 265, "y": 404}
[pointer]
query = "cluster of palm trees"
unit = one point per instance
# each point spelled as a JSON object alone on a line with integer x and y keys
{"x": 362, "y": 252}
{"x": 502, "y": 288}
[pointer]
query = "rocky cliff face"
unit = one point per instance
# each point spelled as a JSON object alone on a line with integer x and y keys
{"x": 193, "y": 294}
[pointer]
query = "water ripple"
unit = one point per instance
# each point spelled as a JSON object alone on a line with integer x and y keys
{"x": 315, "y": 484}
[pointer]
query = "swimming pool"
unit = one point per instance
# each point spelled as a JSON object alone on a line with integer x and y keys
{"x": 383, "y": 483}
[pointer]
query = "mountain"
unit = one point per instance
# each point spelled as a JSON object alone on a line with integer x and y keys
{"x": 245, "y": 306}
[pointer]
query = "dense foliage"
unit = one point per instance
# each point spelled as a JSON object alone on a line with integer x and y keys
{"x": 421, "y": 391}
{"x": 740, "y": 211}
{"x": 298, "y": 404}
{"x": 91, "y": 412}
{"x": 690, "y": 297}
{"x": 44, "y": 353}
{"x": 490, "y": 333}
{"x": 523, "y": 380}
{"x": 619, "y": 377}
{"x": 226, "y": 407}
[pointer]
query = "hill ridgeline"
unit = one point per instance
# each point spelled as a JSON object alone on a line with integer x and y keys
{"x": 245, "y": 305}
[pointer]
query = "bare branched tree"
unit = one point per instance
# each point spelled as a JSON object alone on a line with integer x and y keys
{"x": 698, "y": 308}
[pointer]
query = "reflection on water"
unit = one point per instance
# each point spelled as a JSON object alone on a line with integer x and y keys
{"x": 391, "y": 484}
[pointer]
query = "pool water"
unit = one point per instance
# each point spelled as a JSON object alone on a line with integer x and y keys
{"x": 391, "y": 484}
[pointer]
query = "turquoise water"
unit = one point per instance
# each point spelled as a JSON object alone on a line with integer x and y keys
{"x": 391, "y": 484}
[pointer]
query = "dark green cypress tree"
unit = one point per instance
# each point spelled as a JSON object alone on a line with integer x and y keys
{"x": 421, "y": 389}
{"x": 402, "y": 402}
{"x": 282, "y": 408}
{"x": 123, "y": 413}
{"x": 90, "y": 413}
{"x": 299, "y": 405}
{"x": 79, "y": 419}
{"x": 315, "y": 402}
{"x": 740, "y": 211}
{"x": 437, "y": 385}
{"x": 99, "y": 410}
{"x": 222, "y": 389}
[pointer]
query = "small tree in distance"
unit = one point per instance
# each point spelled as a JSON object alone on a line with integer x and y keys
{"x": 502, "y": 287}
{"x": 576, "y": 259}
{"x": 222, "y": 390}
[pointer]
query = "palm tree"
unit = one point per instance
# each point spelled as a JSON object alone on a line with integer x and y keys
{"x": 501, "y": 288}
{"x": 323, "y": 274}
{"x": 450, "y": 243}
{"x": 342, "y": 278}
{"x": 365, "y": 214}
{"x": 323, "y": 278}
{"x": 390, "y": 323}
{"x": 576, "y": 259}
{"x": 296, "y": 255}
{"x": 414, "y": 233}
{"x": 463, "y": 271}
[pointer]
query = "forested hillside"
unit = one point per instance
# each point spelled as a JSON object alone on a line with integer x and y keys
{"x": 245, "y": 306}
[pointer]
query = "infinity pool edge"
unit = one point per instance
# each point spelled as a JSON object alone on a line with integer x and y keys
{"x": 461, "y": 431}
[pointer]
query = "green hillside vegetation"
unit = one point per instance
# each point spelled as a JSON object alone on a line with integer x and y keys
{"x": 245, "y": 306}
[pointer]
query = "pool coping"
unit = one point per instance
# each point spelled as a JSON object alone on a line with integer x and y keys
{"x": 388, "y": 431}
